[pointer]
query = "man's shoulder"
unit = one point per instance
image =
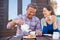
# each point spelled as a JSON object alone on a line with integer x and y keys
{"x": 36, "y": 18}
{"x": 21, "y": 15}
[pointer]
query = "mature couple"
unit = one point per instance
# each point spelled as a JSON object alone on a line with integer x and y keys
{"x": 47, "y": 25}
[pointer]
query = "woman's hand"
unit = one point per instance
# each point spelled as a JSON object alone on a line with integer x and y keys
{"x": 45, "y": 22}
{"x": 49, "y": 19}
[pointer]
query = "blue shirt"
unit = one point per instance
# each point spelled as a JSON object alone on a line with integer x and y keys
{"x": 47, "y": 29}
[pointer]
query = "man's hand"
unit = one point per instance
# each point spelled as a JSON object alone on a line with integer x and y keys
{"x": 39, "y": 33}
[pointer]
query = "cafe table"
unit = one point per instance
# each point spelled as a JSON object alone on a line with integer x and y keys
{"x": 37, "y": 38}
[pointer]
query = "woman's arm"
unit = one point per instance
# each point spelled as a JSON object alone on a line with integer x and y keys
{"x": 54, "y": 22}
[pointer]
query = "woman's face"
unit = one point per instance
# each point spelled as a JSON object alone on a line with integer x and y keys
{"x": 46, "y": 12}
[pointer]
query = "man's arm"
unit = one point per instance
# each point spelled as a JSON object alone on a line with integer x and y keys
{"x": 11, "y": 25}
{"x": 38, "y": 28}
{"x": 16, "y": 21}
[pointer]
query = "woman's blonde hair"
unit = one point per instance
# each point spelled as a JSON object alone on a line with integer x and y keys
{"x": 53, "y": 3}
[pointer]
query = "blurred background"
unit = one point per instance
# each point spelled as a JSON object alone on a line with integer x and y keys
{"x": 10, "y": 9}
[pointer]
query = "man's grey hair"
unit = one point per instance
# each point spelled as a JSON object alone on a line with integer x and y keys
{"x": 33, "y": 5}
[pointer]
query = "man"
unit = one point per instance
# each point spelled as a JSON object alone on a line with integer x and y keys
{"x": 29, "y": 19}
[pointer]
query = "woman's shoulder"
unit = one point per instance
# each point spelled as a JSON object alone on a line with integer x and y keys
{"x": 53, "y": 16}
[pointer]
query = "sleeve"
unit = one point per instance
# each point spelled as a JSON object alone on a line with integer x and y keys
{"x": 8, "y": 25}
{"x": 17, "y": 18}
{"x": 38, "y": 25}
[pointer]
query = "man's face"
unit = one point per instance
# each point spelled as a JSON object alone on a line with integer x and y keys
{"x": 30, "y": 12}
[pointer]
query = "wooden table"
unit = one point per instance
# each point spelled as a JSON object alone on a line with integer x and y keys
{"x": 37, "y": 38}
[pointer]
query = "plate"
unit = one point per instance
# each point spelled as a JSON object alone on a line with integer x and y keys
{"x": 28, "y": 37}
{"x": 47, "y": 34}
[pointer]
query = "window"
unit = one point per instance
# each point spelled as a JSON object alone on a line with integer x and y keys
{"x": 13, "y": 8}
{"x": 57, "y": 10}
{"x": 24, "y": 5}
{"x": 12, "y": 13}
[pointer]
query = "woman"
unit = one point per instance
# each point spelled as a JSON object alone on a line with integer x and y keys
{"x": 48, "y": 22}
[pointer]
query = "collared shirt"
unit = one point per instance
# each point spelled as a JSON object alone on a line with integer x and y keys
{"x": 34, "y": 23}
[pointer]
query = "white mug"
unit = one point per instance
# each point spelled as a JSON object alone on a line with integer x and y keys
{"x": 55, "y": 35}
